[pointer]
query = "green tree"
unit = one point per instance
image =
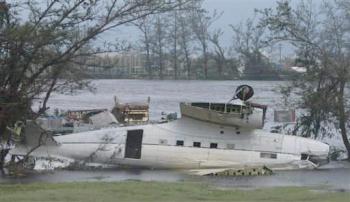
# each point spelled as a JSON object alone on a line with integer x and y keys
{"x": 321, "y": 38}
{"x": 201, "y": 23}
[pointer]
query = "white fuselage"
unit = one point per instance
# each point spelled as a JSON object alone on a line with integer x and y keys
{"x": 185, "y": 144}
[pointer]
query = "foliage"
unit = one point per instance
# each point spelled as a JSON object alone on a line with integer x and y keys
{"x": 321, "y": 38}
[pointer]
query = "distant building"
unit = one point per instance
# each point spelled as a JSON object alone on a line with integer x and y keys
{"x": 117, "y": 65}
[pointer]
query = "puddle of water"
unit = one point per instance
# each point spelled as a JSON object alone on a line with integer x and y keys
{"x": 117, "y": 175}
{"x": 333, "y": 177}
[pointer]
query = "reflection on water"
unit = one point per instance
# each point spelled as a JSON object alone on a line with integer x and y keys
{"x": 334, "y": 177}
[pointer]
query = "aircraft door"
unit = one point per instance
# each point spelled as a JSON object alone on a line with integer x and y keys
{"x": 133, "y": 144}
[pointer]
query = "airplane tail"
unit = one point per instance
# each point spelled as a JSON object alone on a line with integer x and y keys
{"x": 26, "y": 139}
{"x": 34, "y": 136}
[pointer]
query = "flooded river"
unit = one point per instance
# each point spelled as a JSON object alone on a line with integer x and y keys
{"x": 165, "y": 97}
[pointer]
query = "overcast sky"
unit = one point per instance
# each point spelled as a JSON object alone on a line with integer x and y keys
{"x": 238, "y": 10}
{"x": 234, "y": 12}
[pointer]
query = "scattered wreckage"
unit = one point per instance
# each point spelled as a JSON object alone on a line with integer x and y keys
{"x": 209, "y": 139}
{"x": 74, "y": 121}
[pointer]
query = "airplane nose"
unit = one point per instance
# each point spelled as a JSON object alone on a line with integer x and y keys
{"x": 318, "y": 153}
{"x": 319, "y": 160}
{"x": 322, "y": 156}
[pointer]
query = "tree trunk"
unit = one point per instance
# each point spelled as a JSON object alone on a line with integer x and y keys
{"x": 13, "y": 109}
{"x": 148, "y": 56}
{"x": 343, "y": 118}
{"x": 160, "y": 48}
{"x": 3, "y": 154}
{"x": 148, "y": 64}
{"x": 44, "y": 107}
{"x": 188, "y": 67}
{"x": 175, "y": 48}
{"x": 205, "y": 55}
{"x": 161, "y": 68}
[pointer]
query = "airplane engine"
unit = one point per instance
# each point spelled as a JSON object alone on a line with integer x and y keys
{"x": 244, "y": 92}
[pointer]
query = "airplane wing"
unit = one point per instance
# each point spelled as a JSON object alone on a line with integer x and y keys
{"x": 205, "y": 172}
{"x": 243, "y": 171}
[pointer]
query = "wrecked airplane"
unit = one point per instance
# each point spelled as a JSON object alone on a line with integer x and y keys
{"x": 210, "y": 138}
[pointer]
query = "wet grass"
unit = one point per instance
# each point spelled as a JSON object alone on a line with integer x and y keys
{"x": 154, "y": 191}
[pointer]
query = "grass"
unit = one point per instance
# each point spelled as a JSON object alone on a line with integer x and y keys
{"x": 154, "y": 191}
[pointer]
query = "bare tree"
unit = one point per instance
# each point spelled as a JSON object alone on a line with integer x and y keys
{"x": 249, "y": 42}
{"x": 219, "y": 50}
{"x": 46, "y": 44}
{"x": 201, "y": 22}
{"x": 159, "y": 43}
{"x": 181, "y": 36}
{"x": 145, "y": 26}
{"x": 185, "y": 41}
{"x": 174, "y": 38}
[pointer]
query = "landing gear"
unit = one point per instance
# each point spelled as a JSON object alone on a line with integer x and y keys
{"x": 254, "y": 171}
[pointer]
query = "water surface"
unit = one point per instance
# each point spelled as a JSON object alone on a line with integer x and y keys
{"x": 335, "y": 176}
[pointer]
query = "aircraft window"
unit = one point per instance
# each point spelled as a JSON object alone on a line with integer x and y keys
{"x": 179, "y": 143}
{"x": 213, "y": 145}
{"x": 196, "y": 144}
{"x": 230, "y": 146}
{"x": 268, "y": 155}
{"x": 304, "y": 156}
{"x": 163, "y": 142}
